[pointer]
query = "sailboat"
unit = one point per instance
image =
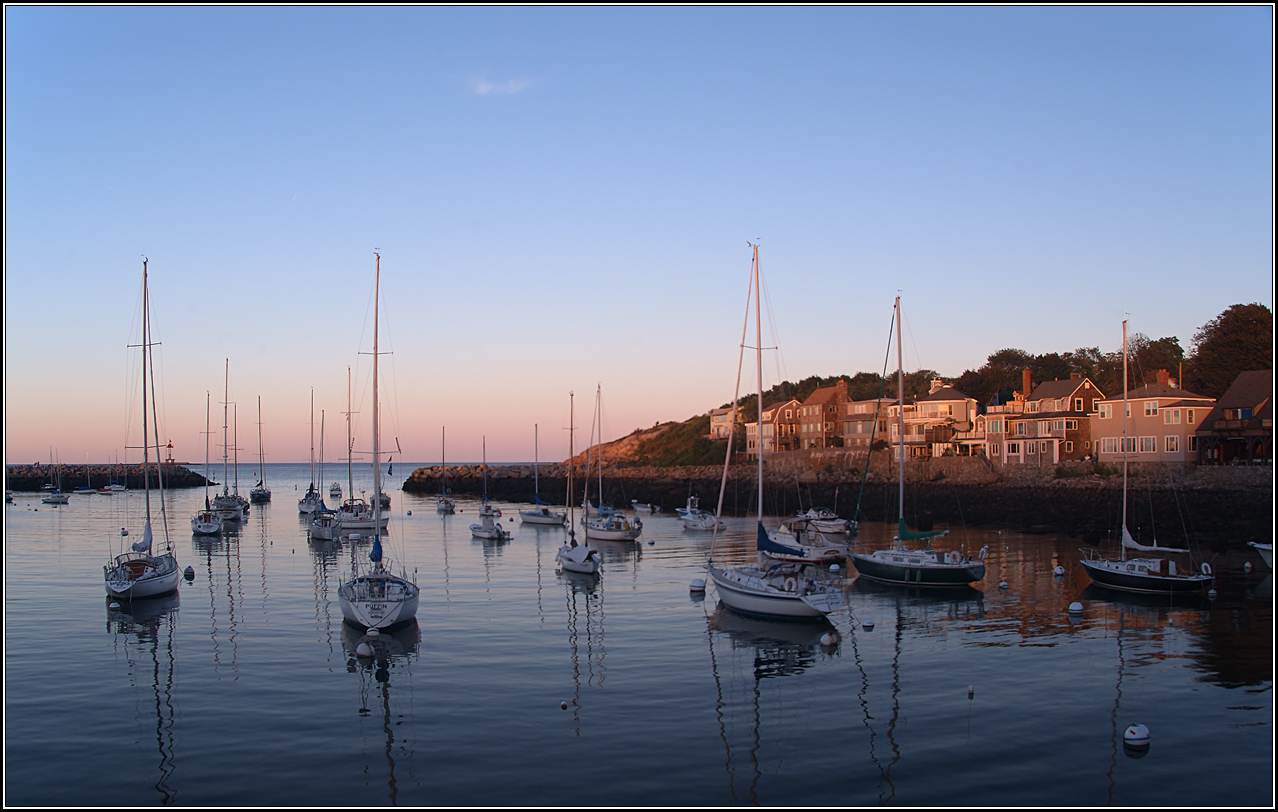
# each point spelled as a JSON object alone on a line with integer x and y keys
{"x": 53, "y": 494}
{"x": 487, "y": 528}
{"x": 443, "y": 503}
{"x": 355, "y": 513}
{"x": 486, "y": 508}
{"x": 1151, "y": 574}
{"x": 207, "y": 522}
{"x": 137, "y": 573}
{"x": 226, "y": 504}
{"x": 324, "y": 524}
{"x": 607, "y": 524}
{"x": 784, "y": 590}
{"x": 260, "y": 492}
{"x": 311, "y": 501}
{"x": 925, "y": 566}
{"x": 375, "y": 597}
{"x": 87, "y": 487}
{"x": 694, "y": 517}
{"x": 573, "y": 557}
{"x": 541, "y": 514}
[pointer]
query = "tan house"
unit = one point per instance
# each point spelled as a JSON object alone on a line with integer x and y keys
{"x": 780, "y": 428}
{"x": 1240, "y": 428}
{"x": 820, "y": 416}
{"x": 1049, "y": 424}
{"x": 866, "y": 421}
{"x": 932, "y": 421}
{"x": 1162, "y": 421}
{"x": 721, "y": 422}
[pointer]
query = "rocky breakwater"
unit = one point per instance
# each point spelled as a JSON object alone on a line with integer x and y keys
{"x": 1221, "y": 506}
{"x": 35, "y": 477}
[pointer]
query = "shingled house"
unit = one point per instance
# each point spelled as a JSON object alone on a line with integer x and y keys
{"x": 1043, "y": 424}
{"x": 1240, "y": 427}
{"x": 1161, "y": 424}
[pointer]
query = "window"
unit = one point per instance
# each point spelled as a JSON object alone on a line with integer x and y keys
{"x": 1071, "y": 425}
{"x": 1106, "y": 411}
{"x": 1171, "y": 444}
{"x": 1033, "y": 406}
{"x": 1148, "y": 445}
{"x": 1029, "y": 448}
{"x": 1069, "y": 446}
{"x": 1013, "y": 448}
{"x": 1171, "y": 417}
{"x": 1109, "y": 445}
{"x": 1129, "y": 445}
{"x": 1078, "y": 404}
{"x": 1189, "y": 416}
{"x": 995, "y": 449}
{"x": 1193, "y": 443}
{"x": 1151, "y": 408}
{"x": 1021, "y": 430}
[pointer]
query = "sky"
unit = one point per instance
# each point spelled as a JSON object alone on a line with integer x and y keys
{"x": 562, "y": 199}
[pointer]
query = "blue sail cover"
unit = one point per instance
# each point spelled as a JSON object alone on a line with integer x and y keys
{"x": 766, "y": 545}
{"x": 375, "y": 554}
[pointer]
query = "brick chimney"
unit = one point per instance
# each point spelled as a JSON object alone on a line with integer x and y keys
{"x": 937, "y": 383}
{"x": 1025, "y": 382}
{"x": 1162, "y": 377}
{"x": 1073, "y": 376}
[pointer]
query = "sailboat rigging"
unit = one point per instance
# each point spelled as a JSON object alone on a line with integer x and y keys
{"x": 1148, "y": 574}
{"x": 785, "y": 590}
{"x": 376, "y": 597}
{"x": 541, "y": 514}
{"x": 260, "y": 492}
{"x": 443, "y": 503}
{"x": 310, "y": 502}
{"x": 925, "y": 566}
{"x": 206, "y": 522}
{"x": 138, "y": 573}
{"x": 573, "y": 557}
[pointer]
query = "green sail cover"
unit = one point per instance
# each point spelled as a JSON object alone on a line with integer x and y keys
{"x": 911, "y": 535}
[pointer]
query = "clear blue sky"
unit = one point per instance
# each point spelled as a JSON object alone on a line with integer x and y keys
{"x": 562, "y": 198}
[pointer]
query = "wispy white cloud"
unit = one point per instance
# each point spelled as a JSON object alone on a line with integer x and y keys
{"x": 484, "y": 87}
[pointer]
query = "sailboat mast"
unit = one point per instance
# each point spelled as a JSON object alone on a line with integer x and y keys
{"x": 350, "y": 444}
{"x": 536, "y": 479}
{"x": 261, "y": 455}
{"x": 235, "y": 438}
{"x": 1123, "y": 533}
{"x": 900, "y": 419}
{"x": 207, "y": 405}
{"x": 572, "y": 534}
{"x": 377, "y": 460}
{"x": 313, "y": 438}
{"x": 146, "y": 461}
{"x": 226, "y": 400}
{"x": 599, "y": 421}
{"x": 758, "y": 363}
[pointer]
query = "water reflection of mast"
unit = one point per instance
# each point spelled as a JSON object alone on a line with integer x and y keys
{"x": 373, "y": 658}
{"x": 587, "y": 588}
{"x": 324, "y": 557}
{"x": 225, "y": 546}
{"x": 144, "y": 620}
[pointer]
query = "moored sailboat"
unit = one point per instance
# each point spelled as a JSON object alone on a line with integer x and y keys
{"x": 541, "y": 514}
{"x": 1147, "y": 574}
{"x": 785, "y": 590}
{"x": 260, "y": 493}
{"x": 137, "y": 572}
{"x": 206, "y": 522}
{"x": 375, "y": 597}
{"x": 574, "y": 557}
{"x": 924, "y": 566}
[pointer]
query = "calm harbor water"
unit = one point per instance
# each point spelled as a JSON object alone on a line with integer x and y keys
{"x": 243, "y": 689}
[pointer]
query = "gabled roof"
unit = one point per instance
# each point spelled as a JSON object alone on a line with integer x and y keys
{"x": 944, "y": 393}
{"x": 1249, "y": 390}
{"x": 1055, "y": 390}
{"x": 1158, "y": 390}
{"x": 825, "y": 394}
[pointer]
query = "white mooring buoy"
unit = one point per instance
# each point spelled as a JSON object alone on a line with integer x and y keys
{"x": 113, "y": 605}
{"x": 834, "y": 568}
{"x": 697, "y": 585}
{"x": 868, "y": 625}
{"x": 364, "y": 649}
{"x": 1076, "y": 608}
{"x": 563, "y": 705}
{"x": 1002, "y": 584}
{"x": 374, "y": 632}
{"x": 1136, "y": 736}
{"x": 1059, "y": 570}
{"x": 971, "y": 691}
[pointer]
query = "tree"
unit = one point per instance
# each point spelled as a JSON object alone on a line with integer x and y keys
{"x": 1147, "y": 357}
{"x": 1238, "y": 340}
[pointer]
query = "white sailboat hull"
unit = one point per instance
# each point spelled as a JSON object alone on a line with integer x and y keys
{"x": 140, "y": 575}
{"x": 753, "y": 592}
{"x": 578, "y": 559}
{"x": 543, "y": 516}
{"x": 378, "y": 600}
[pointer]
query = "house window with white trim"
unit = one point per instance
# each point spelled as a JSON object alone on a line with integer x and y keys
{"x": 1109, "y": 445}
{"x": 1171, "y": 417}
{"x": 1106, "y": 411}
{"x": 1148, "y": 445}
{"x": 1151, "y": 408}
{"x": 1069, "y": 446}
{"x": 1078, "y": 404}
{"x": 1171, "y": 444}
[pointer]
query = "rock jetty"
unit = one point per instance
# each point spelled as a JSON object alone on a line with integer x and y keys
{"x": 1206, "y": 504}
{"x": 24, "y": 478}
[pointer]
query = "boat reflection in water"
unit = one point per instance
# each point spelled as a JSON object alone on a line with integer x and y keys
{"x": 768, "y": 650}
{"x": 583, "y": 604}
{"x": 374, "y": 657}
{"x": 144, "y": 629}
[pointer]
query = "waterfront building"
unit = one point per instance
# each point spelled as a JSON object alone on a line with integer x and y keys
{"x": 1162, "y": 423}
{"x": 1240, "y": 426}
{"x": 1044, "y": 425}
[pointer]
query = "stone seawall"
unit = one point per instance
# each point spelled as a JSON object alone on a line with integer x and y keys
{"x": 1209, "y": 504}
{"x": 34, "y": 477}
